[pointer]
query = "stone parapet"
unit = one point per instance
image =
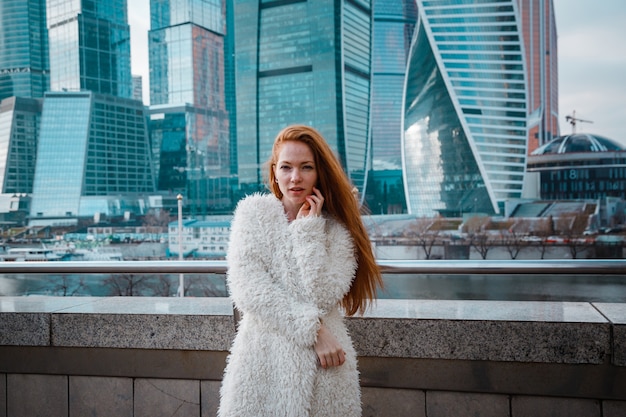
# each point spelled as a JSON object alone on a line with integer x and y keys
{"x": 416, "y": 357}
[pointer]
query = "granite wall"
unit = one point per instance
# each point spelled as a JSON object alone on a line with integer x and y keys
{"x": 138, "y": 356}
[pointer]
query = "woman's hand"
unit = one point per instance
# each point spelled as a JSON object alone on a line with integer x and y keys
{"x": 328, "y": 350}
{"x": 312, "y": 206}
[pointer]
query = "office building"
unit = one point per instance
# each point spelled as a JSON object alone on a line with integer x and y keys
{"x": 304, "y": 62}
{"x": 188, "y": 119}
{"x": 89, "y": 46}
{"x": 468, "y": 109}
{"x": 20, "y": 119}
{"x": 138, "y": 87}
{"x": 24, "y": 77}
{"x": 24, "y": 68}
{"x": 19, "y": 127}
{"x": 540, "y": 44}
{"x": 93, "y": 155}
{"x": 205, "y": 239}
{"x": 93, "y": 159}
{"x": 392, "y": 31}
{"x": 579, "y": 166}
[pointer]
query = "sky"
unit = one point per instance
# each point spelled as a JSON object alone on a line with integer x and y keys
{"x": 592, "y": 62}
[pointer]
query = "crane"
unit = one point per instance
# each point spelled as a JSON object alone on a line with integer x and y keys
{"x": 573, "y": 120}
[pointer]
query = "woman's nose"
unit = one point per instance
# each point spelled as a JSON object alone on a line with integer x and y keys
{"x": 295, "y": 175}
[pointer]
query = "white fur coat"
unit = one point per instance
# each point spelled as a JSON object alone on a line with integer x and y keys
{"x": 283, "y": 277}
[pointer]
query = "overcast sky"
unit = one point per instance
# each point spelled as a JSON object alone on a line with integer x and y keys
{"x": 592, "y": 62}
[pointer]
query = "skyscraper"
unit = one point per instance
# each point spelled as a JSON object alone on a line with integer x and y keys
{"x": 394, "y": 22}
{"x": 540, "y": 44}
{"x": 467, "y": 108}
{"x": 24, "y": 67}
{"x": 93, "y": 158}
{"x": 19, "y": 127}
{"x": 89, "y": 46}
{"x": 302, "y": 62}
{"x": 189, "y": 121}
{"x": 93, "y": 155}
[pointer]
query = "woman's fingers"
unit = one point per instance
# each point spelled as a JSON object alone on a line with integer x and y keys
{"x": 328, "y": 350}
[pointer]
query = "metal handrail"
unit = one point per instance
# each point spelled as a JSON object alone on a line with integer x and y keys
{"x": 483, "y": 267}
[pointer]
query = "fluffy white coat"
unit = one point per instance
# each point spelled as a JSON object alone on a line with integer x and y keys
{"x": 284, "y": 277}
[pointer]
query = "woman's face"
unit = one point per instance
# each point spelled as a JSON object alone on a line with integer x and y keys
{"x": 296, "y": 173}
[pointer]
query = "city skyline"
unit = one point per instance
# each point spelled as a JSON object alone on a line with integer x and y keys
{"x": 592, "y": 61}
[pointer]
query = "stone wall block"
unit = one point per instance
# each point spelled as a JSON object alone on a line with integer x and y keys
{"x": 101, "y": 396}
{"x": 517, "y": 341}
{"x": 446, "y": 404}
{"x": 387, "y": 402}
{"x": 3, "y": 395}
{"x": 209, "y": 397}
{"x": 143, "y": 331}
{"x": 24, "y": 329}
{"x": 528, "y": 406}
{"x": 167, "y": 397}
{"x": 613, "y": 408}
{"x": 36, "y": 395}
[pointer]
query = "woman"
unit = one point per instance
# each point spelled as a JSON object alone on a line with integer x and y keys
{"x": 298, "y": 259}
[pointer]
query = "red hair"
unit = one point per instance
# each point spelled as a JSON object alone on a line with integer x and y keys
{"x": 340, "y": 203}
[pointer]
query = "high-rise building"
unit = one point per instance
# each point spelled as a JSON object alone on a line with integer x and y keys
{"x": 138, "y": 87}
{"x": 302, "y": 62}
{"x": 468, "y": 108}
{"x": 93, "y": 154}
{"x": 89, "y": 46}
{"x": 24, "y": 78}
{"x": 24, "y": 67}
{"x": 394, "y": 21}
{"x": 540, "y": 45}
{"x": 19, "y": 127}
{"x": 92, "y": 158}
{"x": 189, "y": 122}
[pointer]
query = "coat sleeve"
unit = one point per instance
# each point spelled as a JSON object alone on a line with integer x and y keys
{"x": 251, "y": 282}
{"x": 324, "y": 254}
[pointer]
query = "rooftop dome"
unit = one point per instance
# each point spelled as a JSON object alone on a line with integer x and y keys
{"x": 578, "y": 142}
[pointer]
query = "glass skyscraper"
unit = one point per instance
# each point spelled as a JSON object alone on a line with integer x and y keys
{"x": 93, "y": 158}
{"x": 24, "y": 67}
{"x": 19, "y": 127}
{"x": 89, "y": 46}
{"x": 394, "y": 22}
{"x": 188, "y": 116}
{"x": 467, "y": 107}
{"x": 93, "y": 155}
{"x": 302, "y": 62}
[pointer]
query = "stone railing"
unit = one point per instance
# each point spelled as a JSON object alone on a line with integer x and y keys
{"x": 137, "y": 356}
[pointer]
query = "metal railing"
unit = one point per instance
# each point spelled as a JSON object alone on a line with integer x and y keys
{"x": 483, "y": 267}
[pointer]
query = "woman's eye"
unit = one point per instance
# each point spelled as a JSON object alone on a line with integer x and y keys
{"x": 308, "y": 167}
{"x": 285, "y": 167}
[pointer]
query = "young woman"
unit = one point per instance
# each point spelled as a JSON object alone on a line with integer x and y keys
{"x": 299, "y": 259}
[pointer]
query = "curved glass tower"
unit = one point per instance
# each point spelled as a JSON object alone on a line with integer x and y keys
{"x": 394, "y": 21}
{"x": 465, "y": 133}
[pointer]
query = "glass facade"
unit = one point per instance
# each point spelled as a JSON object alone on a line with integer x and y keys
{"x": 19, "y": 128}
{"x": 89, "y": 46}
{"x": 189, "y": 119}
{"x": 302, "y": 62}
{"x": 394, "y": 22}
{"x": 93, "y": 157}
{"x": 24, "y": 67}
{"x": 465, "y": 134}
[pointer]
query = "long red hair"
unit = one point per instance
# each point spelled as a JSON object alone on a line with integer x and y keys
{"x": 339, "y": 202}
